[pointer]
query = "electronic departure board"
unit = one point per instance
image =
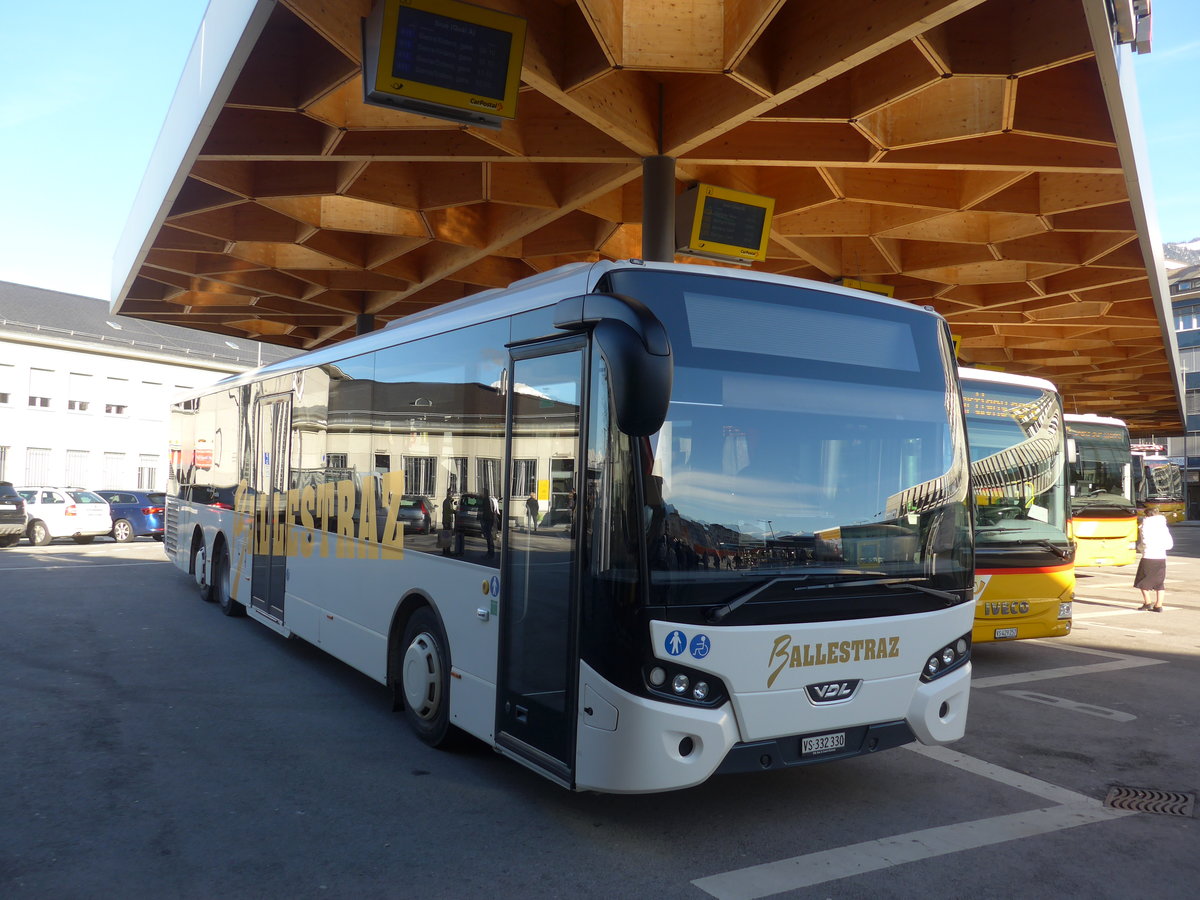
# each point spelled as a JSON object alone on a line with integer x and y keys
{"x": 443, "y": 58}
{"x": 722, "y": 223}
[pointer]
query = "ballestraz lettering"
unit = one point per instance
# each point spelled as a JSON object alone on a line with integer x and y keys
{"x": 786, "y": 655}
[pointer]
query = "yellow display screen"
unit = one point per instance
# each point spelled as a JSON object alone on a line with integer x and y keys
{"x": 447, "y": 53}
{"x": 727, "y": 223}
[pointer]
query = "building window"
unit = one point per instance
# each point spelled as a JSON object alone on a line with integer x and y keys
{"x": 37, "y": 465}
{"x": 383, "y": 462}
{"x": 147, "y": 478}
{"x": 335, "y": 461}
{"x": 7, "y": 383}
{"x": 114, "y": 470}
{"x": 487, "y": 475}
{"x": 524, "y": 477}
{"x": 41, "y": 388}
{"x": 1191, "y": 402}
{"x": 457, "y": 475}
{"x": 1189, "y": 359}
{"x": 420, "y": 475}
{"x": 1187, "y": 318}
{"x": 116, "y": 396}
{"x": 76, "y": 472}
{"x": 79, "y": 392}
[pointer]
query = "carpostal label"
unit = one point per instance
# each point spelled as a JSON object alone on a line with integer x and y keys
{"x": 787, "y": 654}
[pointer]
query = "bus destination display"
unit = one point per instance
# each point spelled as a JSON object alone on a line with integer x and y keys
{"x": 732, "y": 223}
{"x": 450, "y": 53}
{"x": 445, "y": 59}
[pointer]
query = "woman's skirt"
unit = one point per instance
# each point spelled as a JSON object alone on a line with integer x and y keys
{"x": 1151, "y": 575}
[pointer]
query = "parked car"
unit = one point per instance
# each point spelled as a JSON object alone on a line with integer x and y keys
{"x": 12, "y": 514}
{"x": 466, "y": 517}
{"x": 136, "y": 513}
{"x": 416, "y": 513}
{"x": 64, "y": 512}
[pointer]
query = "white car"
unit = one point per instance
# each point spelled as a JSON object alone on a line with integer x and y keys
{"x": 64, "y": 512}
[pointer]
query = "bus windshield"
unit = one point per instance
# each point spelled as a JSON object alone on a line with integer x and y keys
{"x": 1017, "y": 462}
{"x": 809, "y": 434}
{"x": 1100, "y": 474}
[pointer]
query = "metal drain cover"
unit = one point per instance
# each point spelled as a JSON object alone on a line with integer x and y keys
{"x": 1166, "y": 803}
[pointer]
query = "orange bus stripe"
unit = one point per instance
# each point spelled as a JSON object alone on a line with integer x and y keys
{"x": 1037, "y": 570}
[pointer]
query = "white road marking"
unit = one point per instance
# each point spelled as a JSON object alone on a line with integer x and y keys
{"x": 1072, "y": 809}
{"x": 1127, "y": 629}
{"x": 76, "y": 565}
{"x": 1115, "y": 661}
{"x": 1062, "y": 703}
{"x": 1105, "y": 614}
{"x": 869, "y": 856}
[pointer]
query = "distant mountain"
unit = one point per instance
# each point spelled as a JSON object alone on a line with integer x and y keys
{"x": 1183, "y": 254}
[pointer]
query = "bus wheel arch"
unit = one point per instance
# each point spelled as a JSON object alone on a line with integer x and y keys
{"x": 419, "y": 670}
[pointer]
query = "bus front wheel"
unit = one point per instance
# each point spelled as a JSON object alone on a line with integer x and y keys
{"x": 425, "y": 676}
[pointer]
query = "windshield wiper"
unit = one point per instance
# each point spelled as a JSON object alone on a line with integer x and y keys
{"x": 720, "y": 612}
{"x": 716, "y": 614}
{"x": 1060, "y": 552}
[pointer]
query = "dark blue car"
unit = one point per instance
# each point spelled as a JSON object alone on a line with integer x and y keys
{"x": 136, "y": 513}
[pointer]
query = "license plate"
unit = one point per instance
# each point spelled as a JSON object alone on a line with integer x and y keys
{"x": 1002, "y": 633}
{"x": 823, "y": 743}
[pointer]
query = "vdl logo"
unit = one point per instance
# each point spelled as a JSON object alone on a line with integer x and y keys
{"x": 833, "y": 691}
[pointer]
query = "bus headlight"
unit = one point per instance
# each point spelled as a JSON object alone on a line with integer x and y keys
{"x": 950, "y": 657}
{"x": 1064, "y": 610}
{"x": 679, "y": 684}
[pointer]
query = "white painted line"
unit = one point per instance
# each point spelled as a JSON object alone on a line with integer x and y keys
{"x": 1105, "y": 614}
{"x": 1127, "y": 629}
{"x": 77, "y": 565}
{"x": 828, "y": 865}
{"x": 1027, "y": 783}
{"x": 1062, "y": 703}
{"x": 1115, "y": 662}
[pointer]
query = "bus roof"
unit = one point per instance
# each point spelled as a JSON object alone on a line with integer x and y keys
{"x": 543, "y": 289}
{"x": 1091, "y": 417}
{"x": 965, "y": 373}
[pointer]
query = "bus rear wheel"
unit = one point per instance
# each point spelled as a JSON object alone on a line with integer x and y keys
{"x": 425, "y": 678}
{"x": 222, "y": 586}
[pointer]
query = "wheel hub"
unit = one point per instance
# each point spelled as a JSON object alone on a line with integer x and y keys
{"x": 422, "y": 676}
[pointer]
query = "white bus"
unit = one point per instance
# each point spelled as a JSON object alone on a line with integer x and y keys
{"x": 752, "y": 548}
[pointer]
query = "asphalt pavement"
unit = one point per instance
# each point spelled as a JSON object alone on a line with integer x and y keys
{"x": 153, "y": 748}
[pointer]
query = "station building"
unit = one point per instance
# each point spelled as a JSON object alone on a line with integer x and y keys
{"x": 84, "y": 395}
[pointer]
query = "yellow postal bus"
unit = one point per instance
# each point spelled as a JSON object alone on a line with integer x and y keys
{"x": 1103, "y": 513}
{"x": 1024, "y": 571}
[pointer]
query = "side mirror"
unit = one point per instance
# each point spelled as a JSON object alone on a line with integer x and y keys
{"x": 635, "y": 345}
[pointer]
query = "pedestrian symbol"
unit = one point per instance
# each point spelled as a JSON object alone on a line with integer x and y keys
{"x": 700, "y": 646}
{"x": 676, "y": 642}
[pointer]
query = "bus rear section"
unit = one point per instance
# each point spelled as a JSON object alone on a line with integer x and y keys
{"x": 1024, "y": 560}
{"x": 752, "y": 545}
{"x": 1103, "y": 512}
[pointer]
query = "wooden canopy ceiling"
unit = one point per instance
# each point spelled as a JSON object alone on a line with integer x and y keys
{"x": 959, "y": 150}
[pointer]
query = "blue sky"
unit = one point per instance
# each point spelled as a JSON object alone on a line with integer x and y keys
{"x": 86, "y": 86}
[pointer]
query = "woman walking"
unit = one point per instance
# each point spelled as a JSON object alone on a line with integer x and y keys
{"x": 1151, "y": 574}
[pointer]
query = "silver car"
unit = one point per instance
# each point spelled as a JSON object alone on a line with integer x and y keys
{"x": 64, "y": 512}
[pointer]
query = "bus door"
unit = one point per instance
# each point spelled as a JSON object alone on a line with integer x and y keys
{"x": 539, "y": 589}
{"x": 273, "y": 422}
